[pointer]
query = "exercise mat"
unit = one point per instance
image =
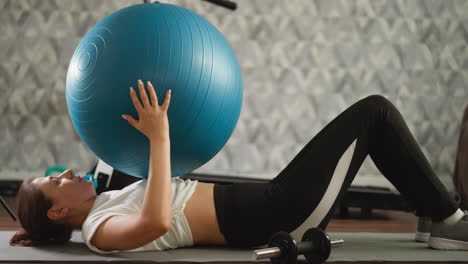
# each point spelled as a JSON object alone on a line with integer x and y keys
{"x": 365, "y": 247}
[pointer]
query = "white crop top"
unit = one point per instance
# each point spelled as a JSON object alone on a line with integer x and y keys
{"x": 129, "y": 200}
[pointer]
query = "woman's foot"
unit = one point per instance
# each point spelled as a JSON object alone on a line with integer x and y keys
{"x": 445, "y": 236}
{"x": 424, "y": 229}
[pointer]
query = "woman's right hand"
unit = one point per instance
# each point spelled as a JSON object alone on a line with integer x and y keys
{"x": 152, "y": 118}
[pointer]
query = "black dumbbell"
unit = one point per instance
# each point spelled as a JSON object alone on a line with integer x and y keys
{"x": 283, "y": 249}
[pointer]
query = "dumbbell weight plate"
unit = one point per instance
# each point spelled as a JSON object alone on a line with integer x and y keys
{"x": 288, "y": 248}
{"x": 321, "y": 243}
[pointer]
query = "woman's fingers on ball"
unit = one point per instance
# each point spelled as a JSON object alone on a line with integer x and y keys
{"x": 135, "y": 100}
{"x": 167, "y": 100}
{"x": 154, "y": 98}
{"x": 144, "y": 97}
{"x": 130, "y": 119}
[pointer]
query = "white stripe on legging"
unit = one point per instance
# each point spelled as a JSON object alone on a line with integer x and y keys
{"x": 330, "y": 195}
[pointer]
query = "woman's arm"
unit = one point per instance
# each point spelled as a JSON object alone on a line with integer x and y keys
{"x": 157, "y": 203}
{"x": 154, "y": 124}
{"x": 125, "y": 232}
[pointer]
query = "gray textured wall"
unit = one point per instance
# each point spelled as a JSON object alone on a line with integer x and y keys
{"x": 303, "y": 62}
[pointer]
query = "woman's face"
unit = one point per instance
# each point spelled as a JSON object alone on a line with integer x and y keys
{"x": 66, "y": 189}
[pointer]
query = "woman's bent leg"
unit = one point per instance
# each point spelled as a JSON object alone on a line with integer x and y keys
{"x": 305, "y": 193}
{"x": 310, "y": 186}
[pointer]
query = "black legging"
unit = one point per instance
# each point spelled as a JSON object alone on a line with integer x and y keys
{"x": 249, "y": 213}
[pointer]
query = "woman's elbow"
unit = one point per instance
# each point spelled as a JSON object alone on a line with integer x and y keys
{"x": 166, "y": 226}
{"x": 158, "y": 226}
{"x": 165, "y": 223}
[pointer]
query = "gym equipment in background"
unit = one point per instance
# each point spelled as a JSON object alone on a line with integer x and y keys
{"x": 460, "y": 175}
{"x": 283, "y": 249}
{"x": 174, "y": 48}
{"x": 224, "y": 3}
{"x": 7, "y": 208}
{"x": 109, "y": 179}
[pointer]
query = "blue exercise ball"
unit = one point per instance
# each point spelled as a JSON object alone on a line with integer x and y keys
{"x": 174, "y": 48}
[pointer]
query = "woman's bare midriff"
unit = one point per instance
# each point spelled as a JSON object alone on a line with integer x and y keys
{"x": 201, "y": 216}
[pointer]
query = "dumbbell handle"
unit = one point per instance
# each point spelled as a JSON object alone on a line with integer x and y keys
{"x": 266, "y": 253}
{"x": 274, "y": 252}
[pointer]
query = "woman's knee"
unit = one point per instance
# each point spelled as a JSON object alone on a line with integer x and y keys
{"x": 377, "y": 102}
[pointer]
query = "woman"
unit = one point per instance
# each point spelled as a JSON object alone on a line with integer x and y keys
{"x": 162, "y": 212}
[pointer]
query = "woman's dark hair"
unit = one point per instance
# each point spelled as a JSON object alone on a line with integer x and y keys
{"x": 31, "y": 207}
